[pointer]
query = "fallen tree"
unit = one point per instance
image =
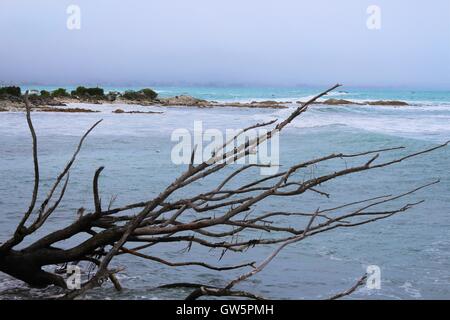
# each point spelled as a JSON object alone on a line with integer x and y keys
{"x": 114, "y": 231}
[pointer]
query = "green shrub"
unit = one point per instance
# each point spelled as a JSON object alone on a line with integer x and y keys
{"x": 13, "y": 91}
{"x": 149, "y": 93}
{"x": 131, "y": 95}
{"x": 88, "y": 92}
{"x": 60, "y": 92}
{"x": 139, "y": 95}
{"x": 98, "y": 92}
{"x": 45, "y": 93}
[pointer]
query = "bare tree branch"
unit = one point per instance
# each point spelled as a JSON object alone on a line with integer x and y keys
{"x": 349, "y": 291}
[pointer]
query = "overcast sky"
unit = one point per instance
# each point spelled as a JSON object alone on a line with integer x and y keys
{"x": 255, "y": 42}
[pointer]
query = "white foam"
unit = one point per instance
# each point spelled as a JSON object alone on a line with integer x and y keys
{"x": 429, "y": 123}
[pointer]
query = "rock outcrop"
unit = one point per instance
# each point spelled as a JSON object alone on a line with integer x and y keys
{"x": 340, "y": 102}
{"x": 334, "y": 102}
{"x": 136, "y": 112}
{"x": 67, "y": 110}
{"x": 184, "y": 100}
{"x": 254, "y": 104}
{"x": 394, "y": 103}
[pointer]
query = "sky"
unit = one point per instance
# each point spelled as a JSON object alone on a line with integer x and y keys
{"x": 224, "y": 42}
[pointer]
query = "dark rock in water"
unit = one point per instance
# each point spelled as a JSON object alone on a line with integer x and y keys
{"x": 338, "y": 102}
{"x": 387, "y": 103}
{"x": 56, "y": 104}
{"x": 184, "y": 101}
{"x": 68, "y": 110}
{"x": 136, "y": 112}
{"x": 269, "y": 104}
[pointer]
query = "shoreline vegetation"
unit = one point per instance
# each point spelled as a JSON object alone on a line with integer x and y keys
{"x": 12, "y": 100}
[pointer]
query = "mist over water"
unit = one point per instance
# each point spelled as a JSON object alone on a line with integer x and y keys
{"x": 253, "y": 42}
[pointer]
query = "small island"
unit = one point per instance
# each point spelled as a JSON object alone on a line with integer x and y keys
{"x": 12, "y": 100}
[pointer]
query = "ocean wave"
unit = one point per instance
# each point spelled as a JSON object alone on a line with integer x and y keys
{"x": 420, "y": 122}
{"x": 424, "y": 123}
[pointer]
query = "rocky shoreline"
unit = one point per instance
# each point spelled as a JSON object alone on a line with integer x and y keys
{"x": 342, "y": 102}
{"x": 11, "y": 99}
{"x": 47, "y": 104}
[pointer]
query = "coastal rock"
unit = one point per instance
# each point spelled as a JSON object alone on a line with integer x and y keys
{"x": 184, "y": 100}
{"x": 337, "y": 102}
{"x": 44, "y": 101}
{"x": 334, "y": 102}
{"x": 253, "y": 104}
{"x": 268, "y": 104}
{"x": 34, "y": 100}
{"x": 387, "y": 103}
{"x": 136, "y": 112}
{"x": 67, "y": 110}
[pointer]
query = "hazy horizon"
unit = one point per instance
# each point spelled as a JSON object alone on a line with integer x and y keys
{"x": 257, "y": 43}
{"x": 156, "y": 85}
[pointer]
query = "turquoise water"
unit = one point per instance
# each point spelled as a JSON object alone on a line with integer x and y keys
{"x": 412, "y": 249}
{"x": 289, "y": 94}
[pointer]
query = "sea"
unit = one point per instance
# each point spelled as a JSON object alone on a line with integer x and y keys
{"x": 410, "y": 250}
